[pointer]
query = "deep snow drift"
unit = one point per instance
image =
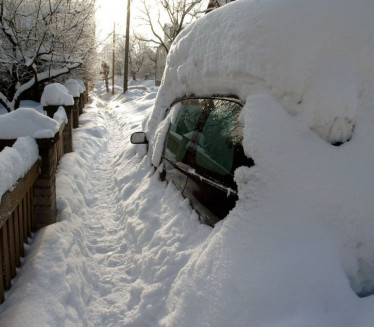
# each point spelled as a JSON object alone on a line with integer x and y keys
{"x": 299, "y": 243}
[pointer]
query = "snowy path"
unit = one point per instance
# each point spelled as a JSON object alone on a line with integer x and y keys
{"x": 104, "y": 233}
{"x": 135, "y": 264}
{"x": 106, "y": 238}
{"x": 122, "y": 237}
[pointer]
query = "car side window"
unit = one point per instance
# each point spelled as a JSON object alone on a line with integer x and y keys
{"x": 206, "y": 135}
{"x": 182, "y": 132}
{"x": 215, "y": 152}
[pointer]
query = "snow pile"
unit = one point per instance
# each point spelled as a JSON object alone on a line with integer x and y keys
{"x": 56, "y": 94}
{"x": 81, "y": 83}
{"x": 299, "y": 243}
{"x": 16, "y": 161}
{"x": 60, "y": 116}
{"x": 74, "y": 88}
{"x": 27, "y": 122}
{"x": 313, "y": 57}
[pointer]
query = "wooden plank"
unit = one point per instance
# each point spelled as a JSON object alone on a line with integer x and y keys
{"x": 20, "y": 230}
{"x": 32, "y": 209}
{"x": 16, "y": 238}
{"x": 2, "y": 299}
{"x": 24, "y": 218}
{"x": 5, "y": 258}
{"x": 29, "y": 212}
{"x": 12, "y": 248}
{"x": 10, "y": 200}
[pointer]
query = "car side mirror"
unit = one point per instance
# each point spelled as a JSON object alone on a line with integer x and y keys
{"x": 138, "y": 138}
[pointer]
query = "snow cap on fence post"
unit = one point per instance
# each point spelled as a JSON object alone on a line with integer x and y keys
{"x": 16, "y": 161}
{"x": 74, "y": 89}
{"x": 54, "y": 96}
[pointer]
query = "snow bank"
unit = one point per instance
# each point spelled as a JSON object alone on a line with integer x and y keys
{"x": 27, "y": 122}
{"x": 16, "y": 161}
{"x": 56, "y": 94}
{"x": 299, "y": 243}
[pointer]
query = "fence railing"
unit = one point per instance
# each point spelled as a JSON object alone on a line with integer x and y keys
{"x": 16, "y": 224}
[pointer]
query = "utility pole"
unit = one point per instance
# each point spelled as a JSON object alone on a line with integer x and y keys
{"x": 114, "y": 53}
{"x": 127, "y": 42}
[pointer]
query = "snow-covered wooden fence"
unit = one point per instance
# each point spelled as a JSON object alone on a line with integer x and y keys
{"x": 17, "y": 221}
{"x": 29, "y": 203}
{"x": 76, "y": 89}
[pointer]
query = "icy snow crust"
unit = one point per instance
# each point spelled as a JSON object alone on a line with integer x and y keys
{"x": 302, "y": 234}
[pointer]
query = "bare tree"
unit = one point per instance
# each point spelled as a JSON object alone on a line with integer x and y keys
{"x": 105, "y": 69}
{"x": 178, "y": 13}
{"x": 139, "y": 54}
{"x": 41, "y": 40}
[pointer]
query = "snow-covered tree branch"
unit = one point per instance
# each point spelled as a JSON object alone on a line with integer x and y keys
{"x": 40, "y": 40}
{"x": 178, "y": 13}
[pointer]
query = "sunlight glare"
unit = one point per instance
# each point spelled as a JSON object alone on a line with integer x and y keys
{"x": 108, "y": 12}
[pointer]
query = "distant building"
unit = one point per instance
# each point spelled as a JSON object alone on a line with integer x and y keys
{"x": 213, "y": 4}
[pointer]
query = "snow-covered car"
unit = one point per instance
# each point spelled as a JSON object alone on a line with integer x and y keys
{"x": 202, "y": 150}
{"x": 296, "y": 248}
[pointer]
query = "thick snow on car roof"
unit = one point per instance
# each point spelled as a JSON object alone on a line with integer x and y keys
{"x": 312, "y": 56}
{"x": 299, "y": 243}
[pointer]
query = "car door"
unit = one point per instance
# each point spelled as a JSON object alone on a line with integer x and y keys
{"x": 218, "y": 152}
{"x": 202, "y": 150}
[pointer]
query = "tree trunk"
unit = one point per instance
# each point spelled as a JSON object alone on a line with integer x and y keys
{"x": 107, "y": 84}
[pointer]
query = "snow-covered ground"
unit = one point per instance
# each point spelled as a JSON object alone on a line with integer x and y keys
{"x": 122, "y": 237}
{"x": 296, "y": 250}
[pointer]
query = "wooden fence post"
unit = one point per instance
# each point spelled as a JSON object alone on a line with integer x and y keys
{"x": 76, "y": 112}
{"x": 45, "y": 186}
{"x": 68, "y": 129}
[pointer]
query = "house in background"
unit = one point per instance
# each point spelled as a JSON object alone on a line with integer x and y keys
{"x": 213, "y": 4}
